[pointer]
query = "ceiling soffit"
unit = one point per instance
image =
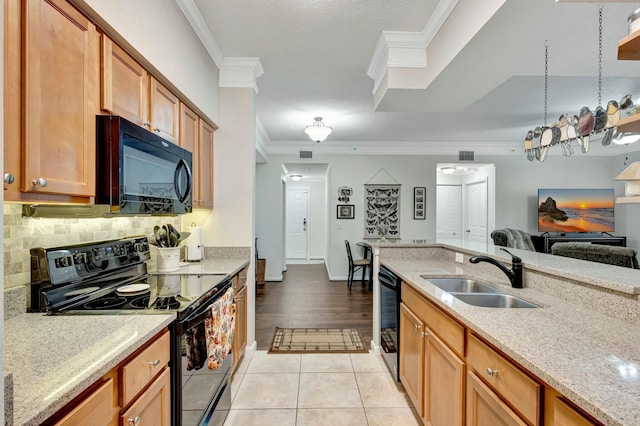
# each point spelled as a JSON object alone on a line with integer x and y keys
{"x": 405, "y": 60}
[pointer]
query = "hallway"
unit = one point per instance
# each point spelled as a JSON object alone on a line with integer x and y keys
{"x": 306, "y": 298}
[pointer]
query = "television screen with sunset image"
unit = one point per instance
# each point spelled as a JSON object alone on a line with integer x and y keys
{"x": 576, "y": 210}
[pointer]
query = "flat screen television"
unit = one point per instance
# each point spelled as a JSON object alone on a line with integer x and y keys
{"x": 576, "y": 210}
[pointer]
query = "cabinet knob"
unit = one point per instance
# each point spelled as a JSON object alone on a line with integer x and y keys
{"x": 416, "y": 326}
{"x": 147, "y": 123}
{"x": 491, "y": 372}
{"x": 424, "y": 334}
{"x": 133, "y": 422}
{"x": 42, "y": 182}
{"x": 157, "y": 129}
{"x": 9, "y": 178}
{"x": 154, "y": 364}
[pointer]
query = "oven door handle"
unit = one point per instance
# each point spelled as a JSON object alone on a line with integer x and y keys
{"x": 203, "y": 312}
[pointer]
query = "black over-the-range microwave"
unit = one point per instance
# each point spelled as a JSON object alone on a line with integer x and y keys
{"x": 139, "y": 172}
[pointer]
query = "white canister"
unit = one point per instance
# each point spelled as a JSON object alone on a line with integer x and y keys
{"x": 168, "y": 259}
{"x": 634, "y": 21}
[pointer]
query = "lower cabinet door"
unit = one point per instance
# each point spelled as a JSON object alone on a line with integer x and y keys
{"x": 564, "y": 414}
{"x": 485, "y": 408}
{"x": 412, "y": 356}
{"x": 153, "y": 406}
{"x": 96, "y": 409}
{"x": 443, "y": 384}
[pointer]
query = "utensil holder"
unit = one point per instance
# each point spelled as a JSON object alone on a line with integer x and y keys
{"x": 168, "y": 259}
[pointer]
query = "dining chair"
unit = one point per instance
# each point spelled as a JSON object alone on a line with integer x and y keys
{"x": 355, "y": 265}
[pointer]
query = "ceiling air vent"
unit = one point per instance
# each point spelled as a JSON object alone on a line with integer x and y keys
{"x": 306, "y": 154}
{"x": 465, "y": 155}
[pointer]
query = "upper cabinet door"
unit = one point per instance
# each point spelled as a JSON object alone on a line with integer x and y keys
{"x": 205, "y": 165}
{"x": 124, "y": 85}
{"x": 61, "y": 70}
{"x": 165, "y": 111}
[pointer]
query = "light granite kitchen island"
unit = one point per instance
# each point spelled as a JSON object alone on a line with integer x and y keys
{"x": 584, "y": 341}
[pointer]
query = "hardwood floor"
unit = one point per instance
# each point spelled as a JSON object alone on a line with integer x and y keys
{"x": 306, "y": 298}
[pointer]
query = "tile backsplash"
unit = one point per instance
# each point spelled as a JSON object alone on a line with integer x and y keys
{"x": 21, "y": 234}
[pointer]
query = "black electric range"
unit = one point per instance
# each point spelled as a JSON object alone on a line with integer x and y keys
{"x": 110, "y": 277}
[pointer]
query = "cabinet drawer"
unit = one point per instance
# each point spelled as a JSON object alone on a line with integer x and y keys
{"x": 154, "y": 405}
{"x": 95, "y": 409}
{"x": 516, "y": 387}
{"x": 440, "y": 323}
{"x": 139, "y": 371}
{"x": 564, "y": 414}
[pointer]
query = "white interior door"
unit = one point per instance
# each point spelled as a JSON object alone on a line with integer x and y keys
{"x": 476, "y": 211}
{"x": 297, "y": 214}
{"x": 449, "y": 211}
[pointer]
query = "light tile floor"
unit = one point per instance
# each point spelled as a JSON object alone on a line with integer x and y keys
{"x": 317, "y": 389}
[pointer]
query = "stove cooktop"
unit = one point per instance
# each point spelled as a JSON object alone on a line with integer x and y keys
{"x": 175, "y": 293}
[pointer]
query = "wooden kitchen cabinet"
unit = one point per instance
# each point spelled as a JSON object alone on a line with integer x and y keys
{"x": 138, "y": 387}
{"x": 153, "y": 406}
{"x": 124, "y": 84}
{"x": 95, "y": 409}
{"x": 196, "y": 135}
{"x": 51, "y": 78}
{"x": 514, "y": 386}
{"x": 485, "y": 407}
{"x": 412, "y": 356}
{"x": 127, "y": 89}
{"x": 436, "y": 376}
{"x": 239, "y": 282}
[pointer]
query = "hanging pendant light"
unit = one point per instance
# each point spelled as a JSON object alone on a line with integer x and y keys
{"x": 318, "y": 131}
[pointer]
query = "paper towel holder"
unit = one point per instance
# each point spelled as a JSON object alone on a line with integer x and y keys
{"x": 194, "y": 249}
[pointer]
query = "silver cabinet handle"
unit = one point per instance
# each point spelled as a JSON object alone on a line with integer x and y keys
{"x": 40, "y": 182}
{"x": 9, "y": 178}
{"x": 154, "y": 364}
{"x": 134, "y": 422}
{"x": 492, "y": 373}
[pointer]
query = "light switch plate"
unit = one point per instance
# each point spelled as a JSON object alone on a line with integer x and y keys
{"x": 459, "y": 258}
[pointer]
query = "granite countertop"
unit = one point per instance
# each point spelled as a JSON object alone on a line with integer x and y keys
{"x": 206, "y": 267}
{"x": 623, "y": 280}
{"x": 54, "y": 358}
{"x": 591, "y": 358}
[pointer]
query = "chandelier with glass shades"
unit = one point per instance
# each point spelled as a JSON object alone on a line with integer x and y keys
{"x": 318, "y": 131}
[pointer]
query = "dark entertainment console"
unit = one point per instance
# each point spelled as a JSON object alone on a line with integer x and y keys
{"x": 543, "y": 243}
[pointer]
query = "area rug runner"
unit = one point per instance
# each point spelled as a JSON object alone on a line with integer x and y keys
{"x": 316, "y": 340}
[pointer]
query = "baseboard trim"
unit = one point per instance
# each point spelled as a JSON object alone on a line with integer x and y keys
{"x": 278, "y": 278}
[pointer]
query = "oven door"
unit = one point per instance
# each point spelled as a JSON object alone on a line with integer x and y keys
{"x": 201, "y": 396}
{"x": 390, "y": 319}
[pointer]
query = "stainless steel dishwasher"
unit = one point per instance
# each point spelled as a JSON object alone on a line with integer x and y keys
{"x": 390, "y": 319}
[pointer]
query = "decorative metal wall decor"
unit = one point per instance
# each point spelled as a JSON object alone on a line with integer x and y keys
{"x": 344, "y": 192}
{"x": 382, "y": 205}
{"x": 419, "y": 202}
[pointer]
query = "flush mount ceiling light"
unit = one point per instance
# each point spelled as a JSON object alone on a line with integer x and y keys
{"x": 318, "y": 131}
{"x": 448, "y": 170}
{"x": 295, "y": 178}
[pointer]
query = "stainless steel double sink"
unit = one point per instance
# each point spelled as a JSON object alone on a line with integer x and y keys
{"x": 478, "y": 293}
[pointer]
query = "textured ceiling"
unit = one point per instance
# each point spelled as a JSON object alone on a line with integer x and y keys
{"x": 316, "y": 53}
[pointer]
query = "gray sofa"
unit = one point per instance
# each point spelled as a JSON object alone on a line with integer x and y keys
{"x": 612, "y": 255}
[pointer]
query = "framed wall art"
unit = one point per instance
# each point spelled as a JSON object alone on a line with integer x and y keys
{"x": 382, "y": 209}
{"x": 345, "y": 211}
{"x": 419, "y": 202}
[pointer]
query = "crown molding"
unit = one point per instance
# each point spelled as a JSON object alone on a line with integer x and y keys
{"x": 403, "y": 49}
{"x": 193, "y": 15}
{"x": 437, "y": 19}
{"x": 240, "y": 72}
{"x": 397, "y": 49}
